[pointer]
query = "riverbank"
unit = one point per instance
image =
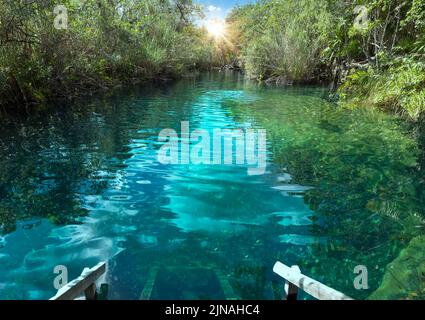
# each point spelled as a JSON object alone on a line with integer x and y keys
{"x": 79, "y": 49}
{"x": 372, "y": 53}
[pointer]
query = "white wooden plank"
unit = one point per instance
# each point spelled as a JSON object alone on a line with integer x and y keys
{"x": 291, "y": 290}
{"x": 76, "y": 287}
{"x": 314, "y": 288}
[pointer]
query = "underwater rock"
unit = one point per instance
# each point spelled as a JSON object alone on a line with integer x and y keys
{"x": 405, "y": 276}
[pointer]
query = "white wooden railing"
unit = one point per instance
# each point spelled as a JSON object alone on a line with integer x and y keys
{"x": 85, "y": 283}
{"x": 295, "y": 280}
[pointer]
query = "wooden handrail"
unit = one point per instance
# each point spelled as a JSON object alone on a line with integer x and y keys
{"x": 85, "y": 283}
{"x": 294, "y": 279}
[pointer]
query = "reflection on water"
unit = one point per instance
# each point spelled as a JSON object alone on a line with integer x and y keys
{"x": 81, "y": 184}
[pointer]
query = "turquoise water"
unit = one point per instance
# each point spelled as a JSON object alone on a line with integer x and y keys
{"x": 81, "y": 183}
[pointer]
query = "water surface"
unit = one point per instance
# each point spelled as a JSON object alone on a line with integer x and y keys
{"x": 81, "y": 184}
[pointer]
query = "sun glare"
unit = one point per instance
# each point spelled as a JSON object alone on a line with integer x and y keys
{"x": 216, "y": 27}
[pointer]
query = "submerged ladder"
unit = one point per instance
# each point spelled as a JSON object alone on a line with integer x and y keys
{"x": 147, "y": 292}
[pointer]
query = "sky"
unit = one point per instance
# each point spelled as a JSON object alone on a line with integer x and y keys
{"x": 218, "y": 9}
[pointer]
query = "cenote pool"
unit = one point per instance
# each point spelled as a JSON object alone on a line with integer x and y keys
{"x": 81, "y": 183}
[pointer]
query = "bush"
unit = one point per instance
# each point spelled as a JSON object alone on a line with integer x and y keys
{"x": 286, "y": 42}
{"x": 106, "y": 42}
{"x": 400, "y": 88}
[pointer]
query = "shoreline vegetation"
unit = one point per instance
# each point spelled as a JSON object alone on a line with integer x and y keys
{"x": 370, "y": 52}
{"x": 101, "y": 44}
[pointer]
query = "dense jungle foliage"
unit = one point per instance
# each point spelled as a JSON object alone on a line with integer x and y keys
{"x": 374, "y": 48}
{"x": 101, "y": 43}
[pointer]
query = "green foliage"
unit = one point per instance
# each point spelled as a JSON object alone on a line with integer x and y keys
{"x": 384, "y": 62}
{"x": 373, "y": 49}
{"x": 401, "y": 88}
{"x": 107, "y": 42}
{"x": 282, "y": 38}
{"x": 405, "y": 276}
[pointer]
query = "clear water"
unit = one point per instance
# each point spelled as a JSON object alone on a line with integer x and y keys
{"x": 81, "y": 184}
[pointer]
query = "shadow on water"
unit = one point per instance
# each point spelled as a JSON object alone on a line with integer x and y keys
{"x": 81, "y": 183}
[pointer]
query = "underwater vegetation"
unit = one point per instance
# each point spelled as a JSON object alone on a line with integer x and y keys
{"x": 364, "y": 167}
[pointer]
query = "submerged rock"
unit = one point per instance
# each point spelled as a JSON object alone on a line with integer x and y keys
{"x": 405, "y": 276}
